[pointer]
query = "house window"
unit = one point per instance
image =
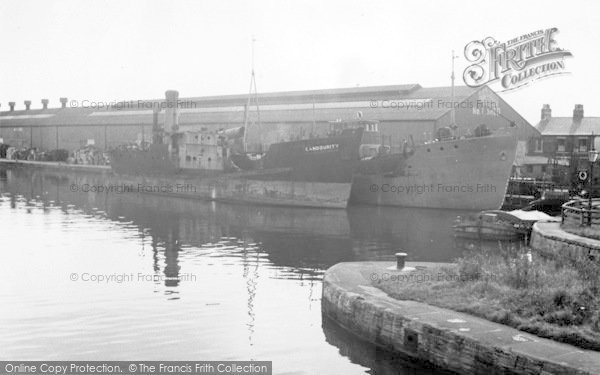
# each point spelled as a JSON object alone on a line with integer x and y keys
{"x": 530, "y": 168}
{"x": 543, "y": 169}
{"x": 371, "y": 127}
{"x": 582, "y": 144}
{"x": 561, "y": 142}
{"x": 539, "y": 145}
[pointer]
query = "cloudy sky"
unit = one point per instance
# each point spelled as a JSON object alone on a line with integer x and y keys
{"x": 120, "y": 50}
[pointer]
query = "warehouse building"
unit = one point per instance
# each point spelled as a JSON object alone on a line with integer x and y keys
{"x": 402, "y": 111}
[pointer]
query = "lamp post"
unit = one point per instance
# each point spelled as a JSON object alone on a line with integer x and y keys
{"x": 592, "y": 157}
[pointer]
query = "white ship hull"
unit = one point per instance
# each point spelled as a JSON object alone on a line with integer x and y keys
{"x": 469, "y": 174}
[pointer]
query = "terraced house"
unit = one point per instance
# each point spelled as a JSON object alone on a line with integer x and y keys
{"x": 562, "y": 147}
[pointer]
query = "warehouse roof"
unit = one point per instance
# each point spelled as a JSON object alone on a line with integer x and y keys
{"x": 384, "y": 103}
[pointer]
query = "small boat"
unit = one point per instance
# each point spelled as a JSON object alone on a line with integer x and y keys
{"x": 522, "y": 190}
{"x": 490, "y": 225}
{"x": 550, "y": 203}
{"x": 497, "y": 225}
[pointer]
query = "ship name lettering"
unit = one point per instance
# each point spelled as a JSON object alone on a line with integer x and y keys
{"x": 331, "y": 147}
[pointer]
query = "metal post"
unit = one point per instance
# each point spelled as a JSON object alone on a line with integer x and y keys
{"x": 591, "y": 160}
{"x": 400, "y": 260}
{"x": 590, "y": 194}
{"x": 453, "y": 110}
{"x": 312, "y": 130}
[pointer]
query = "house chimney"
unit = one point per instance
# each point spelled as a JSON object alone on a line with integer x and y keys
{"x": 578, "y": 112}
{"x": 45, "y": 103}
{"x": 12, "y": 106}
{"x": 546, "y": 112}
{"x": 27, "y": 104}
{"x": 63, "y": 102}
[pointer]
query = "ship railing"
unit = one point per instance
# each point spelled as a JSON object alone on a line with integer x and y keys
{"x": 577, "y": 212}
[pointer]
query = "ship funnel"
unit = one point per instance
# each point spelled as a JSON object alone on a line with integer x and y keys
{"x": 156, "y": 128}
{"x": 171, "y": 111}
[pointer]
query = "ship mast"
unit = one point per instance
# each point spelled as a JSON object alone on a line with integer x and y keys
{"x": 453, "y": 112}
{"x": 252, "y": 94}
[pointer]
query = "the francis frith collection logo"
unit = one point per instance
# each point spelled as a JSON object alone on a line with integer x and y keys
{"x": 514, "y": 63}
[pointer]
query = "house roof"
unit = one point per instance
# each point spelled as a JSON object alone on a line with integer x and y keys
{"x": 565, "y": 126}
{"x": 404, "y": 102}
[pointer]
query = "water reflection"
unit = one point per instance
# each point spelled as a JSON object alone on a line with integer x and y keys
{"x": 258, "y": 269}
{"x": 300, "y": 238}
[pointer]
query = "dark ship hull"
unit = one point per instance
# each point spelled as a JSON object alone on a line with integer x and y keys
{"x": 310, "y": 173}
{"x": 156, "y": 159}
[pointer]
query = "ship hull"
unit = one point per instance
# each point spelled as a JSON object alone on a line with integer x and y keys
{"x": 241, "y": 189}
{"x": 467, "y": 174}
{"x": 275, "y": 188}
{"x": 305, "y": 173}
{"x": 155, "y": 159}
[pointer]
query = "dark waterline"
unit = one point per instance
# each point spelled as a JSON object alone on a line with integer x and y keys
{"x": 219, "y": 281}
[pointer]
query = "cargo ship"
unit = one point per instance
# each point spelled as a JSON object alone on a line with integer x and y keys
{"x": 469, "y": 172}
{"x": 350, "y": 164}
{"x": 216, "y": 165}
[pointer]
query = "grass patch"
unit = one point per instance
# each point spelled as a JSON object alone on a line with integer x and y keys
{"x": 556, "y": 298}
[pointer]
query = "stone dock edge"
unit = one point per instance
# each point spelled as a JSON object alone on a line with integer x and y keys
{"x": 550, "y": 239}
{"x": 451, "y": 340}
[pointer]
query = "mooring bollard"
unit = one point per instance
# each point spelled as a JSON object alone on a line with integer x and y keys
{"x": 400, "y": 259}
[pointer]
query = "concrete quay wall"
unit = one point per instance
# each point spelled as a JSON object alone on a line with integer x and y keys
{"x": 549, "y": 239}
{"x": 451, "y": 340}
